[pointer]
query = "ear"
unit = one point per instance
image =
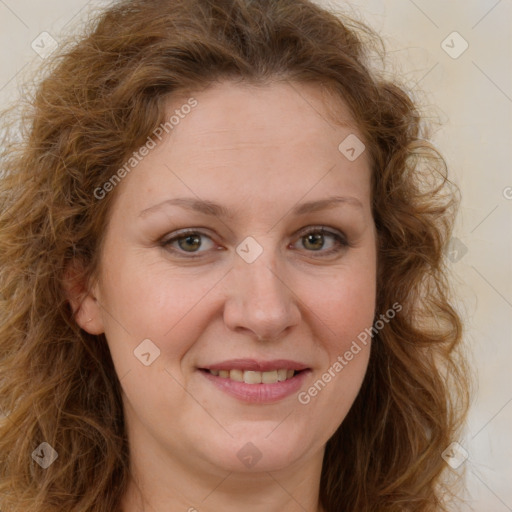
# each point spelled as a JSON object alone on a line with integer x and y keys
{"x": 83, "y": 301}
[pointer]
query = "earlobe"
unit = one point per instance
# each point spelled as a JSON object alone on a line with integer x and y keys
{"x": 83, "y": 301}
{"x": 88, "y": 315}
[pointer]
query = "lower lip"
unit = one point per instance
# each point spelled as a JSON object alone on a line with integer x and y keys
{"x": 258, "y": 393}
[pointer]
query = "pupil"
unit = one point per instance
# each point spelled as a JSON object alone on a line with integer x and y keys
{"x": 318, "y": 238}
{"x": 194, "y": 239}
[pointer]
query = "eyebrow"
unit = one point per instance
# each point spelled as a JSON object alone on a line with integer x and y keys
{"x": 214, "y": 209}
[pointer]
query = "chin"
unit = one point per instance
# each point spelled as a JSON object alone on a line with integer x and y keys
{"x": 257, "y": 451}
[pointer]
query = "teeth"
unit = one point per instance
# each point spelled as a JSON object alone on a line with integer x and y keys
{"x": 237, "y": 375}
{"x": 252, "y": 377}
{"x": 269, "y": 377}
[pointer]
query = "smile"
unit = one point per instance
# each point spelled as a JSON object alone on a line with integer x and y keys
{"x": 255, "y": 377}
{"x": 257, "y": 381}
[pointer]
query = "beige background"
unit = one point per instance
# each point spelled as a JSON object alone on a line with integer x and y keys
{"x": 472, "y": 95}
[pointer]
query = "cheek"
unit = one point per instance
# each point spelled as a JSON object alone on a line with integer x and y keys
{"x": 345, "y": 308}
{"x": 150, "y": 296}
{"x": 345, "y": 313}
{"x": 143, "y": 299}
{"x": 345, "y": 302}
{"x": 353, "y": 308}
{"x": 346, "y": 343}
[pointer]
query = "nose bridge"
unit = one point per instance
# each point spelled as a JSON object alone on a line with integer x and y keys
{"x": 260, "y": 300}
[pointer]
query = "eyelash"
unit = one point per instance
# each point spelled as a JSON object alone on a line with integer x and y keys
{"x": 340, "y": 241}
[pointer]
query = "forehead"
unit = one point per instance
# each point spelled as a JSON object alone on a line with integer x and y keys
{"x": 283, "y": 112}
{"x": 270, "y": 142}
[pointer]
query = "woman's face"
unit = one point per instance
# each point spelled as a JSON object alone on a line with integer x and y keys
{"x": 255, "y": 173}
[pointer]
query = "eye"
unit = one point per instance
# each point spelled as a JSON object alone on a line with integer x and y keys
{"x": 313, "y": 239}
{"x": 188, "y": 241}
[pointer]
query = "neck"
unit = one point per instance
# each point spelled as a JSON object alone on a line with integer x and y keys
{"x": 294, "y": 489}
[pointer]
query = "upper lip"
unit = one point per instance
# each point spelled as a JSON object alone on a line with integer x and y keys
{"x": 257, "y": 366}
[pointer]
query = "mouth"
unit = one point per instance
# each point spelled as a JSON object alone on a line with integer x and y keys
{"x": 257, "y": 381}
{"x": 255, "y": 377}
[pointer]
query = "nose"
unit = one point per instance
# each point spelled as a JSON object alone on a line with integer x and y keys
{"x": 260, "y": 301}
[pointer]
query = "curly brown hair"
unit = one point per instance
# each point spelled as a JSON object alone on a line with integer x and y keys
{"x": 102, "y": 96}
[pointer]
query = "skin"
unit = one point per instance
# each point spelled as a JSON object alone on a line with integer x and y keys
{"x": 259, "y": 151}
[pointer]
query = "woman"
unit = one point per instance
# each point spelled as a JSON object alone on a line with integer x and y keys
{"x": 222, "y": 273}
